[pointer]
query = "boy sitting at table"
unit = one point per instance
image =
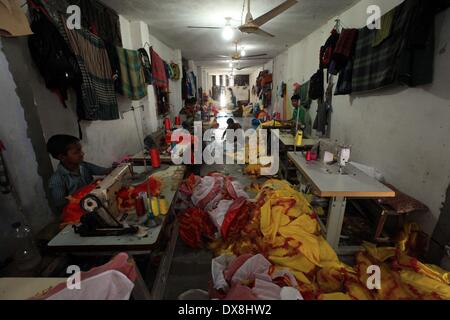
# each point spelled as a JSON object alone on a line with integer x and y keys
{"x": 73, "y": 172}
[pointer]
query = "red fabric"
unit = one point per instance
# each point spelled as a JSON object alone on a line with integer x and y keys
{"x": 158, "y": 71}
{"x": 127, "y": 196}
{"x": 346, "y": 42}
{"x": 195, "y": 225}
{"x": 72, "y": 213}
{"x": 236, "y": 218}
{"x": 189, "y": 185}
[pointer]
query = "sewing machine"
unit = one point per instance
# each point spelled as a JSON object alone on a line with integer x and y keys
{"x": 102, "y": 216}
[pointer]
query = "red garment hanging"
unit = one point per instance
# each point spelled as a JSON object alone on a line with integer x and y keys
{"x": 158, "y": 71}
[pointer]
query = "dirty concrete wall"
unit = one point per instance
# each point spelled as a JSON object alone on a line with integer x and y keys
{"x": 403, "y": 132}
{"x": 28, "y": 164}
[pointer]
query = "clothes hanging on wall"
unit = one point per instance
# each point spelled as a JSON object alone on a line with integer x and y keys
{"x": 100, "y": 20}
{"x": 176, "y": 71}
{"x": 98, "y": 93}
{"x": 146, "y": 66}
{"x": 158, "y": 71}
{"x": 327, "y": 50}
{"x": 316, "y": 85}
{"x": 54, "y": 59}
{"x": 96, "y": 99}
{"x": 324, "y": 109}
{"x": 397, "y": 58}
{"x": 344, "y": 84}
{"x": 345, "y": 49}
{"x": 115, "y": 66}
{"x": 415, "y": 65}
{"x": 303, "y": 92}
{"x": 162, "y": 101}
{"x": 133, "y": 78}
{"x": 386, "y": 28}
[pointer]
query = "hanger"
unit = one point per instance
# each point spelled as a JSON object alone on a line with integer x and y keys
{"x": 337, "y": 26}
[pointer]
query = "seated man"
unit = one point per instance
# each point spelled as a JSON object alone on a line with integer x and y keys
{"x": 231, "y": 126}
{"x": 72, "y": 173}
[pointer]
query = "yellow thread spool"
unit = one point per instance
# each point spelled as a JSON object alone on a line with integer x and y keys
{"x": 155, "y": 208}
{"x": 164, "y": 206}
{"x": 299, "y": 138}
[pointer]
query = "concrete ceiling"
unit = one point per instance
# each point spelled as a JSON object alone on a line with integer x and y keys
{"x": 168, "y": 21}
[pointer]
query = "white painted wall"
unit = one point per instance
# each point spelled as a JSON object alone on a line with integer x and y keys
{"x": 403, "y": 132}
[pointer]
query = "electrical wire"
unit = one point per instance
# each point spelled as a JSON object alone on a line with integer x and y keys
{"x": 242, "y": 16}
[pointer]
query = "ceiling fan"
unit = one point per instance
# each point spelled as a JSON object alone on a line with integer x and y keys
{"x": 237, "y": 56}
{"x": 252, "y": 26}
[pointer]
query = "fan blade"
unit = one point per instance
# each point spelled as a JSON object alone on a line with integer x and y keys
{"x": 263, "y": 33}
{"x": 242, "y": 68}
{"x": 223, "y": 56}
{"x": 256, "y": 55}
{"x": 213, "y": 28}
{"x": 251, "y": 59}
{"x": 274, "y": 12}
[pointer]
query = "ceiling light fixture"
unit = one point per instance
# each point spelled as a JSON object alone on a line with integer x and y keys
{"x": 228, "y": 32}
{"x": 243, "y": 52}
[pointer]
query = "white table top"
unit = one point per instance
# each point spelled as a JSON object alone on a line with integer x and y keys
{"x": 26, "y": 288}
{"x": 288, "y": 139}
{"x": 171, "y": 179}
{"x": 329, "y": 183}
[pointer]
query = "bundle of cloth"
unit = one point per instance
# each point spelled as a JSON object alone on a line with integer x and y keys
{"x": 215, "y": 201}
{"x": 251, "y": 277}
{"x": 285, "y": 230}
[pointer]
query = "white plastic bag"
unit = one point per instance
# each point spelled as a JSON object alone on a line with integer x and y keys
{"x": 256, "y": 265}
{"x": 219, "y": 265}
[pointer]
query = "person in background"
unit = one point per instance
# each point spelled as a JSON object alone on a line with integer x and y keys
{"x": 302, "y": 114}
{"x": 73, "y": 172}
{"x": 231, "y": 126}
{"x": 233, "y": 98}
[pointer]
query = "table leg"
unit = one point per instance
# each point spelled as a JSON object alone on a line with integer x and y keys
{"x": 140, "y": 291}
{"x": 336, "y": 221}
{"x": 159, "y": 286}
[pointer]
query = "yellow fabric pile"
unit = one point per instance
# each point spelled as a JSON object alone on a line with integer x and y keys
{"x": 271, "y": 123}
{"x": 285, "y": 229}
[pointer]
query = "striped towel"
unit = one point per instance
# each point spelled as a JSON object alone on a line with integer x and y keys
{"x": 133, "y": 79}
